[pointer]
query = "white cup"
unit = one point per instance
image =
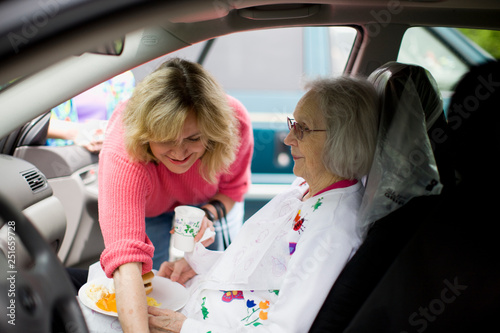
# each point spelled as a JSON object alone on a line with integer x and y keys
{"x": 187, "y": 223}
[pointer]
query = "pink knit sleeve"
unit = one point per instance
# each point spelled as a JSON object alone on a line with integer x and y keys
{"x": 236, "y": 183}
{"x": 123, "y": 188}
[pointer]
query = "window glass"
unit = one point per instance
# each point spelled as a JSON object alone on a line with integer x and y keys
{"x": 258, "y": 60}
{"x": 420, "y": 47}
{"x": 190, "y": 53}
{"x": 266, "y": 69}
{"x": 341, "y": 43}
{"x": 487, "y": 40}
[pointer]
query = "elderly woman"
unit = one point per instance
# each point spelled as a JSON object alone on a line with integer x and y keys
{"x": 278, "y": 270}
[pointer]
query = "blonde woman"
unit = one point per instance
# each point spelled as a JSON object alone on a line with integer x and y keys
{"x": 179, "y": 140}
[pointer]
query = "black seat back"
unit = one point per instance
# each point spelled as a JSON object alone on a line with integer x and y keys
{"x": 447, "y": 278}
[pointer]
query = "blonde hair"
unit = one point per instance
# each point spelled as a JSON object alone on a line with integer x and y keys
{"x": 160, "y": 104}
{"x": 349, "y": 106}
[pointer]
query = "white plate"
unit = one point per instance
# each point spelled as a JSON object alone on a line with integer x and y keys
{"x": 171, "y": 295}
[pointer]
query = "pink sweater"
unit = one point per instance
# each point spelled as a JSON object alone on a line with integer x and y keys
{"x": 130, "y": 191}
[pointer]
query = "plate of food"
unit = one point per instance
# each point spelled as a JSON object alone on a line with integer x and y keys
{"x": 99, "y": 294}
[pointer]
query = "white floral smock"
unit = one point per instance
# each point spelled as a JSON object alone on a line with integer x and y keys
{"x": 276, "y": 274}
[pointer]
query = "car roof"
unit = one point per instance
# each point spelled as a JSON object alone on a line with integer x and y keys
{"x": 57, "y": 22}
{"x": 37, "y": 34}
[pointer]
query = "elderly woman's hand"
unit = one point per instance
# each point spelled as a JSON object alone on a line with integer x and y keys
{"x": 177, "y": 271}
{"x": 164, "y": 320}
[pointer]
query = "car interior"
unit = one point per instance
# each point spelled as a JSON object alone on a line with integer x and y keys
{"x": 430, "y": 265}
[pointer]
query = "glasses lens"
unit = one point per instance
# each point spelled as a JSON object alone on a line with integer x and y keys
{"x": 299, "y": 131}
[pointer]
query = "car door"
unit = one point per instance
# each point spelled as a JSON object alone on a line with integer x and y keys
{"x": 71, "y": 172}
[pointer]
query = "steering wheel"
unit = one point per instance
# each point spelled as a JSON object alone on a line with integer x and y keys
{"x": 33, "y": 299}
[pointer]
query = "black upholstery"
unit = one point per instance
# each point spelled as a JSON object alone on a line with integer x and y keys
{"x": 447, "y": 279}
{"x": 390, "y": 234}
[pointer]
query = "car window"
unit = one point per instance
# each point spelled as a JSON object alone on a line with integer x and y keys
{"x": 341, "y": 43}
{"x": 266, "y": 71}
{"x": 422, "y": 48}
{"x": 445, "y": 52}
{"x": 258, "y": 60}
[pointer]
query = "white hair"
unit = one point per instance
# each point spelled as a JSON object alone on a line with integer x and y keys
{"x": 349, "y": 107}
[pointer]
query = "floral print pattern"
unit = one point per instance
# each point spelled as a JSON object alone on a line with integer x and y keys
{"x": 253, "y": 318}
{"x": 317, "y": 204}
{"x": 298, "y": 222}
{"x": 228, "y": 296}
{"x": 204, "y": 310}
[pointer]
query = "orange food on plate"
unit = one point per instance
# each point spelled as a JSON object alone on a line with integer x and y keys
{"x": 107, "y": 303}
{"x": 105, "y": 299}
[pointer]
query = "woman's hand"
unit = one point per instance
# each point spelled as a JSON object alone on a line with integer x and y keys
{"x": 90, "y": 139}
{"x": 177, "y": 271}
{"x": 205, "y": 223}
{"x": 164, "y": 320}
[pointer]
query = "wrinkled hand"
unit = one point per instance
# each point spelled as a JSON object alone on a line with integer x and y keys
{"x": 177, "y": 271}
{"x": 164, "y": 320}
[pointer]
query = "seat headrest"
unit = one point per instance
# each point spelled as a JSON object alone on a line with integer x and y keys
{"x": 393, "y": 79}
{"x": 404, "y": 166}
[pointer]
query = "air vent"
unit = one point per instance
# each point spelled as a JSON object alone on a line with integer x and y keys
{"x": 35, "y": 180}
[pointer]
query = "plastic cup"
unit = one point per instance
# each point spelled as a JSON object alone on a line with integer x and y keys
{"x": 187, "y": 223}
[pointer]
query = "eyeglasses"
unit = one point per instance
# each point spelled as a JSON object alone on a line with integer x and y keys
{"x": 299, "y": 129}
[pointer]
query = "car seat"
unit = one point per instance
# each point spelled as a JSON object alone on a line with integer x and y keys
{"x": 408, "y": 93}
{"x": 447, "y": 278}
